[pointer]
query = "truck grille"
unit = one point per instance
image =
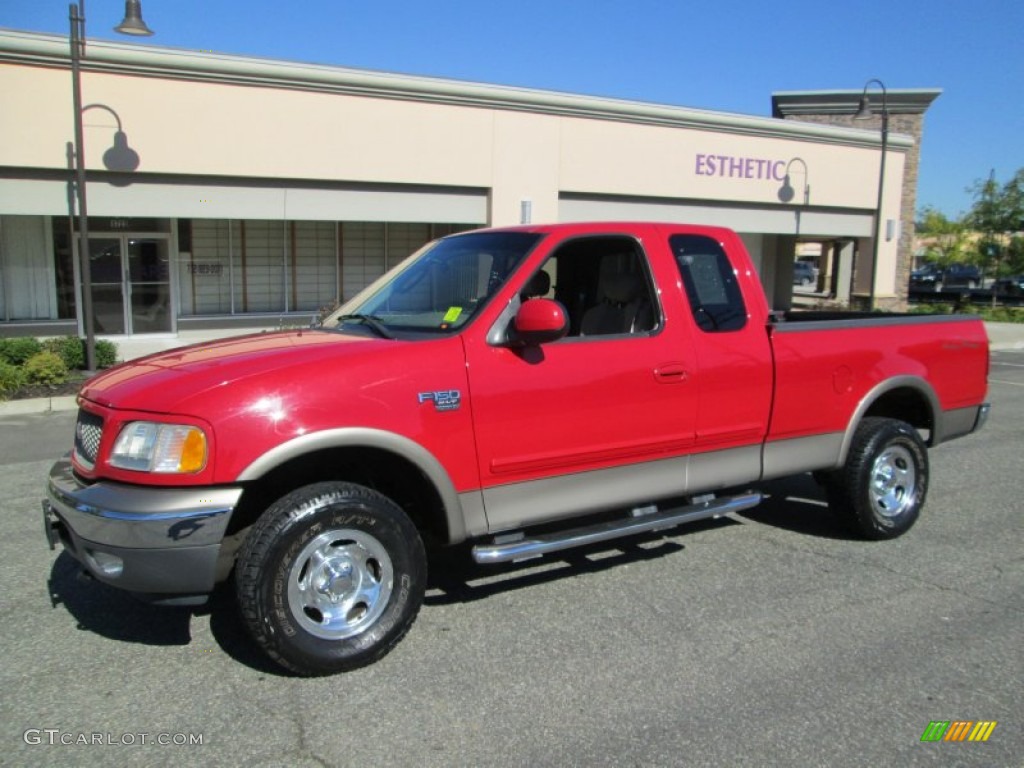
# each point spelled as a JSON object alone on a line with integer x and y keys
{"x": 88, "y": 432}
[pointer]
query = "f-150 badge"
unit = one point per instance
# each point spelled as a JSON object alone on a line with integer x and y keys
{"x": 445, "y": 400}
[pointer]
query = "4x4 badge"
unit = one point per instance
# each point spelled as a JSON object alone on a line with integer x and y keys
{"x": 445, "y": 400}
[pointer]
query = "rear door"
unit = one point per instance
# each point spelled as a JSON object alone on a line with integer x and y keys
{"x": 732, "y": 365}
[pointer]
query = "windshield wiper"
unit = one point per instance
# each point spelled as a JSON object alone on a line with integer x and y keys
{"x": 374, "y": 323}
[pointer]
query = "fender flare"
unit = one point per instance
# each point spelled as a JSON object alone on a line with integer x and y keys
{"x": 364, "y": 437}
{"x": 916, "y": 383}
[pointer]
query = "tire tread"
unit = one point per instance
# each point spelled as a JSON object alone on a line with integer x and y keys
{"x": 275, "y": 522}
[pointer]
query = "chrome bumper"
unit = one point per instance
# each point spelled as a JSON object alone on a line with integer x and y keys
{"x": 158, "y": 541}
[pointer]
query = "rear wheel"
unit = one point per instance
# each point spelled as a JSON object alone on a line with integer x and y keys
{"x": 880, "y": 490}
{"x": 330, "y": 578}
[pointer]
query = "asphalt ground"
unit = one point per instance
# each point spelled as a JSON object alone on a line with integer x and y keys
{"x": 770, "y": 638}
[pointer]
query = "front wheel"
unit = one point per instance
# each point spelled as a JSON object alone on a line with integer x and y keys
{"x": 330, "y": 578}
{"x": 880, "y": 490}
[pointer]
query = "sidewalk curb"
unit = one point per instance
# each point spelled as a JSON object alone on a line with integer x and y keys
{"x": 1003, "y": 336}
{"x": 38, "y": 405}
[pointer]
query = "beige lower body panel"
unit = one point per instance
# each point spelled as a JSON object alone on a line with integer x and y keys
{"x": 518, "y": 505}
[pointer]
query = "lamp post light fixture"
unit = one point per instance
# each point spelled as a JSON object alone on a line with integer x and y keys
{"x": 864, "y": 112}
{"x": 131, "y": 25}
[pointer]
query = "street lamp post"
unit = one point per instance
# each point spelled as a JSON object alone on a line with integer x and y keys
{"x": 865, "y": 112}
{"x": 131, "y": 25}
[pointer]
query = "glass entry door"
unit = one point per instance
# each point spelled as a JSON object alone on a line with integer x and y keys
{"x": 131, "y": 284}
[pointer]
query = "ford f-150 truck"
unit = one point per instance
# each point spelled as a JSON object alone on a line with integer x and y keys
{"x": 524, "y": 390}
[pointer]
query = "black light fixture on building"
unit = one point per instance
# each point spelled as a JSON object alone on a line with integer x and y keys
{"x": 132, "y": 24}
{"x": 865, "y": 112}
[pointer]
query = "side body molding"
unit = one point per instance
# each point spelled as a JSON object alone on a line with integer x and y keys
{"x": 363, "y": 437}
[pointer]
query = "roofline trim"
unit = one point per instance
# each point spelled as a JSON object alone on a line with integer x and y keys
{"x": 845, "y": 102}
{"x": 38, "y": 49}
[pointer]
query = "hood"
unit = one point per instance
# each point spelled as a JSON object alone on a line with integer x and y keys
{"x": 166, "y": 381}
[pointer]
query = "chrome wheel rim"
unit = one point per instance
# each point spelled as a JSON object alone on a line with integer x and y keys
{"x": 893, "y": 482}
{"x": 340, "y": 583}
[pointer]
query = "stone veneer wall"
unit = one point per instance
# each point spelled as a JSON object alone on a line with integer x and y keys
{"x": 910, "y": 125}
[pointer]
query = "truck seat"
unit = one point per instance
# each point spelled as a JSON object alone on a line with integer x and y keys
{"x": 623, "y": 302}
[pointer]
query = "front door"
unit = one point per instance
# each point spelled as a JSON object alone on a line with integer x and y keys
{"x": 558, "y": 426}
{"x": 131, "y": 284}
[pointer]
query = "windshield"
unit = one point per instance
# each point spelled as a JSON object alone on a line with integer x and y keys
{"x": 439, "y": 289}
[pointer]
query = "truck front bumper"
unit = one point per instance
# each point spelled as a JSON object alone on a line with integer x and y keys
{"x": 158, "y": 542}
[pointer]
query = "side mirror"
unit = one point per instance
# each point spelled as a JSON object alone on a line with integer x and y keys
{"x": 538, "y": 321}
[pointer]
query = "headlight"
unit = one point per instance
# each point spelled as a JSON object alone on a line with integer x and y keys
{"x": 147, "y": 446}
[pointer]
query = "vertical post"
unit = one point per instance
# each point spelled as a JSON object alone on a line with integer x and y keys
{"x": 77, "y": 38}
{"x": 864, "y": 112}
{"x": 878, "y": 208}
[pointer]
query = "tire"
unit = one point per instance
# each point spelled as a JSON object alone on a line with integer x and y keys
{"x": 880, "y": 490}
{"x": 330, "y": 578}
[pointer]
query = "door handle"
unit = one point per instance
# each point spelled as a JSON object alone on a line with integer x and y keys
{"x": 670, "y": 373}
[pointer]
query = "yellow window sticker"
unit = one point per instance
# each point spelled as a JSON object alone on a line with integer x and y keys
{"x": 452, "y": 314}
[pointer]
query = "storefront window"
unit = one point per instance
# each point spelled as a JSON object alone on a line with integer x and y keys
{"x": 26, "y": 280}
{"x": 64, "y": 268}
{"x": 239, "y": 267}
{"x": 205, "y": 268}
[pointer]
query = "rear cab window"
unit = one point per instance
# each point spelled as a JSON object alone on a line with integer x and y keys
{"x": 710, "y": 283}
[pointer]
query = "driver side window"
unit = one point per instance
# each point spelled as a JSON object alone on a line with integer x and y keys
{"x": 604, "y": 285}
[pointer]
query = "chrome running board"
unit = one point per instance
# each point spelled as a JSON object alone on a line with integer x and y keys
{"x": 518, "y": 547}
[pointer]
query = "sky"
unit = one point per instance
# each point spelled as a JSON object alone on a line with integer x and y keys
{"x": 725, "y": 56}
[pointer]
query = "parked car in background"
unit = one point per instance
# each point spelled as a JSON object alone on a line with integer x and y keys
{"x": 932, "y": 277}
{"x": 804, "y": 273}
{"x": 1010, "y": 286}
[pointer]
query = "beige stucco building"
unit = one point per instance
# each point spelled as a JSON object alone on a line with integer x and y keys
{"x": 265, "y": 189}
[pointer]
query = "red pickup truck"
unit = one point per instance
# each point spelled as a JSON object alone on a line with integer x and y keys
{"x": 527, "y": 390}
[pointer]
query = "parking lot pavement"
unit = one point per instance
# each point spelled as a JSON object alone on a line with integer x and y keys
{"x": 767, "y": 638}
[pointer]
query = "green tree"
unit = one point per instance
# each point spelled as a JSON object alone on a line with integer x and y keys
{"x": 944, "y": 240}
{"x": 1015, "y": 255}
{"x": 998, "y": 215}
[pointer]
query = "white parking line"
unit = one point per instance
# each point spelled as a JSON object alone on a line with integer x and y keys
{"x": 1011, "y": 383}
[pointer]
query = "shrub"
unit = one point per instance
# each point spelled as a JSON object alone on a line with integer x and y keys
{"x": 11, "y": 378}
{"x": 17, "y": 351}
{"x": 46, "y": 368}
{"x": 106, "y": 353}
{"x": 71, "y": 350}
